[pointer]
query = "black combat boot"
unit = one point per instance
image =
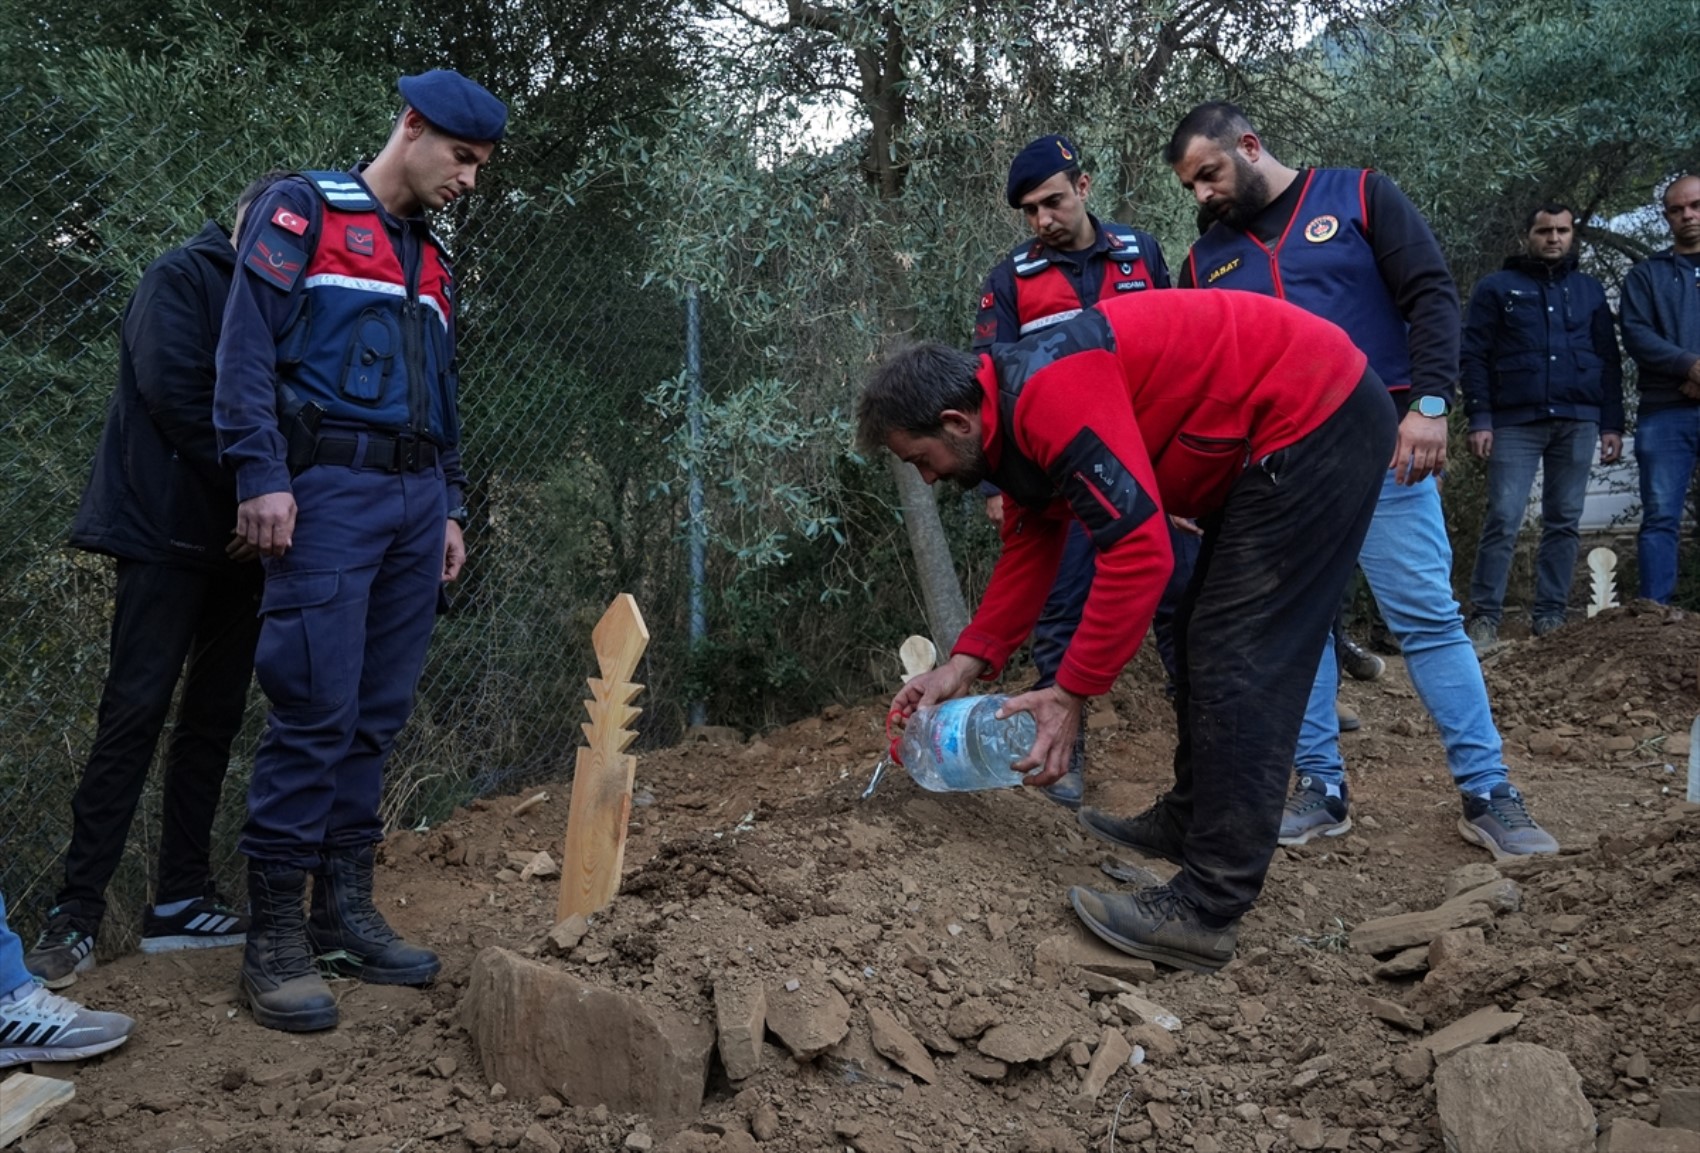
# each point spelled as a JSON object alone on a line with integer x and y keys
{"x": 348, "y": 933}
{"x": 281, "y": 985}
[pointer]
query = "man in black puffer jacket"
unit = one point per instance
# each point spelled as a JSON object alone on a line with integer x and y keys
{"x": 187, "y": 603}
{"x": 1542, "y": 383}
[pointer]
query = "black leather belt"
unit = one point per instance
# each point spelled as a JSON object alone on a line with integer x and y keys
{"x": 389, "y": 453}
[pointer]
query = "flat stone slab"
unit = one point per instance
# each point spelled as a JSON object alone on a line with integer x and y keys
{"x": 1077, "y": 948}
{"x": 740, "y": 1019}
{"x": 1627, "y": 1135}
{"x": 899, "y": 1046}
{"x": 1391, "y": 934}
{"x": 1481, "y": 1026}
{"x": 1019, "y": 1044}
{"x": 539, "y": 1030}
{"x": 1679, "y": 1108}
{"x": 1112, "y": 1054}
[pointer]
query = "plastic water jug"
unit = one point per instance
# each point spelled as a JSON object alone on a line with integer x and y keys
{"x": 960, "y": 746}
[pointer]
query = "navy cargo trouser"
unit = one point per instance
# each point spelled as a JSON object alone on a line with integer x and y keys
{"x": 1249, "y": 636}
{"x": 345, "y": 623}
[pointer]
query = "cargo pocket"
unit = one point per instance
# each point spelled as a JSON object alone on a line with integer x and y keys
{"x": 371, "y": 357}
{"x": 1196, "y": 473}
{"x": 307, "y": 648}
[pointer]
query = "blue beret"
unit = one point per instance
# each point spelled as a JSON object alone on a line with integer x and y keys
{"x": 455, "y": 105}
{"x": 1037, "y": 163}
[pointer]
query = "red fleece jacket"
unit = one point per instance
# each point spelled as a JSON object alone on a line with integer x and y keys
{"x": 1196, "y": 386}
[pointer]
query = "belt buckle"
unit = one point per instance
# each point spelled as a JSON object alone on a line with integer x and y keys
{"x": 406, "y": 454}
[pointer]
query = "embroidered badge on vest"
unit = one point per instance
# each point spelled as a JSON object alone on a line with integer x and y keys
{"x": 289, "y": 221}
{"x": 275, "y": 262}
{"x": 1218, "y": 273}
{"x": 1322, "y": 228}
{"x": 359, "y": 240}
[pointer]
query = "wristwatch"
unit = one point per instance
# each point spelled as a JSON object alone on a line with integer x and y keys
{"x": 1431, "y": 406}
{"x": 459, "y": 515}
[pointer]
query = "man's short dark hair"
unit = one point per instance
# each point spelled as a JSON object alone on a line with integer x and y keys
{"x": 1216, "y": 120}
{"x": 259, "y": 186}
{"x": 911, "y": 388}
{"x": 1551, "y": 208}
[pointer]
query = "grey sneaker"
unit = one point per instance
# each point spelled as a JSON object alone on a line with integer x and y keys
{"x": 1347, "y": 717}
{"x": 43, "y": 1026}
{"x": 1483, "y": 633}
{"x": 1544, "y": 625}
{"x": 1311, "y": 813}
{"x": 64, "y": 949}
{"x": 1157, "y": 924}
{"x": 1153, "y": 832}
{"x": 1360, "y": 664}
{"x": 204, "y": 923}
{"x": 1500, "y": 823}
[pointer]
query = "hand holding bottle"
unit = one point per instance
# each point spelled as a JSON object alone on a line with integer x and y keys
{"x": 1056, "y": 713}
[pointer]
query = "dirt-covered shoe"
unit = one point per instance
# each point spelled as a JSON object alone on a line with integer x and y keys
{"x": 1360, "y": 664}
{"x": 1500, "y": 823}
{"x": 1483, "y": 634}
{"x": 203, "y": 923}
{"x": 1347, "y": 717}
{"x": 37, "y": 1025}
{"x": 64, "y": 949}
{"x": 1153, "y": 832}
{"x": 1542, "y": 626}
{"x": 1311, "y": 812}
{"x": 1069, "y": 789}
{"x": 1156, "y": 924}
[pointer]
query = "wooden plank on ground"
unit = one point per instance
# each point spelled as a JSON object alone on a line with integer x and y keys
{"x": 595, "y": 848}
{"x": 26, "y": 1099}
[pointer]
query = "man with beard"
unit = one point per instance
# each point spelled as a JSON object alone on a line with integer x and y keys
{"x": 1542, "y": 383}
{"x": 1262, "y": 422}
{"x": 1347, "y": 245}
{"x": 1661, "y": 330}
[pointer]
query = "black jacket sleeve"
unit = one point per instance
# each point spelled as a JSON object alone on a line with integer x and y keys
{"x": 1414, "y": 270}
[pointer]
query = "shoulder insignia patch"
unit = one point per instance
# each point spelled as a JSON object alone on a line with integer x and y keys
{"x": 275, "y": 262}
{"x": 1322, "y": 228}
{"x": 289, "y": 221}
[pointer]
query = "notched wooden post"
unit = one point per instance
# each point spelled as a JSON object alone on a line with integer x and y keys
{"x": 602, "y": 781}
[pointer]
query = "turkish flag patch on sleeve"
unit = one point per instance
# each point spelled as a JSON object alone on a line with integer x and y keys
{"x": 289, "y": 221}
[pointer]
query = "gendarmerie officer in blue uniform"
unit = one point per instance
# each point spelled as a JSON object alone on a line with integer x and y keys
{"x": 336, "y": 409}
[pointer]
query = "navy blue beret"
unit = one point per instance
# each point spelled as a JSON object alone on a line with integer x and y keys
{"x": 1037, "y": 163}
{"x": 455, "y": 105}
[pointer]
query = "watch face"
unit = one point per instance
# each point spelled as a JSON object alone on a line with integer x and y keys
{"x": 1431, "y": 406}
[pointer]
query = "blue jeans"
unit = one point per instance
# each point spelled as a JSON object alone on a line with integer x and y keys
{"x": 1564, "y": 452}
{"x": 1667, "y": 443}
{"x": 1061, "y": 614}
{"x": 1408, "y": 562}
{"x": 12, "y": 971}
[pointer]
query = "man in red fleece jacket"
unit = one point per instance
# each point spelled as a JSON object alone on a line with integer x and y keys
{"x": 1260, "y": 420}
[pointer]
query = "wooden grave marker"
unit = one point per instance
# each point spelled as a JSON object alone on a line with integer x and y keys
{"x": 26, "y": 1099}
{"x": 595, "y": 848}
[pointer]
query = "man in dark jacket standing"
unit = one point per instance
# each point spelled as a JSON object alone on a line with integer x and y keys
{"x": 1542, "y": 382}
{"x": 1661, "y": 330}
{"x": 186, "y": 602}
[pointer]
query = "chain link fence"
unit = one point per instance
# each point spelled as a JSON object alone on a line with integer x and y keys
{"x": 563, "y": 349}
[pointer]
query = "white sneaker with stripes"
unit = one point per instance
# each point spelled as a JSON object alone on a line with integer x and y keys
{"x": 203, "y": 923}
{"x": 37, "y": 1025}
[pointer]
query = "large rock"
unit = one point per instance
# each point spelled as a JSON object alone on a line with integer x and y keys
{"x": 1512, "y": 1098}
{"x": 1679, "y": 1108}
{"x": 740, "y": 1021}
{"x": 1113, "y": 1053}
{"x": 1628, "y": 1135}
{"x": 809, "y": 1019}
{"x": 538, "y": 1030}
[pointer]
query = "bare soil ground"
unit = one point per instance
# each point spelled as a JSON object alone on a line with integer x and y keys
{"x": 758, "y": 859}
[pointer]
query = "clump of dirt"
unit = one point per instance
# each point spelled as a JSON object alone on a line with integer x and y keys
{"x": 755, "y": 861}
